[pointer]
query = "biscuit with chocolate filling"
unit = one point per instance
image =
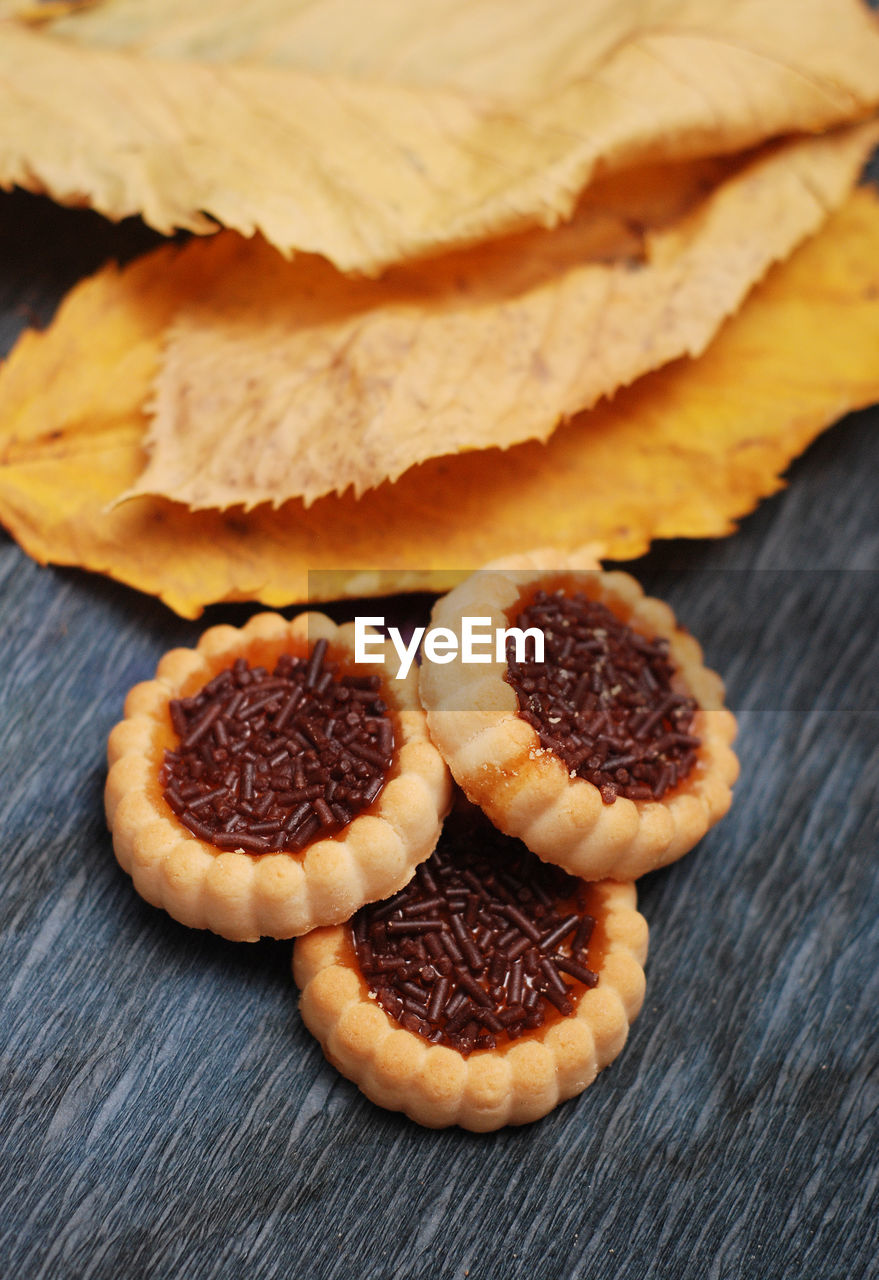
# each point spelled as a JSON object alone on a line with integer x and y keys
{"x": 264, "y": 783}
{"x": 491, "y": 988}
{"x": 611, "y": 756}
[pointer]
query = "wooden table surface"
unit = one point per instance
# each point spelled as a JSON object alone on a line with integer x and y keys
{"x": 166, "y": 1114}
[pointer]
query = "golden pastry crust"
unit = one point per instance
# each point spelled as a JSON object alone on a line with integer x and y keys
{"x": 525, "y": 789}
{"x": 512, "y": 1084}
{"x": 236, "y": 894}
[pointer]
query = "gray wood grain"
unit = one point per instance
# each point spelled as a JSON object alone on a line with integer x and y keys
{"x": 164, "y": 1113}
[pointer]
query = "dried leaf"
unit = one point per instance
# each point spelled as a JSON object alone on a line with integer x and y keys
{"x": 685, "y": 451}
{"x": 408, "y": 134}
{"x": 439, "y": 42}
{"x": 289, "y": 380}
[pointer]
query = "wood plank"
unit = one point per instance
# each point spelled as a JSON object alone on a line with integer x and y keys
{"x": 164, "y": 1113}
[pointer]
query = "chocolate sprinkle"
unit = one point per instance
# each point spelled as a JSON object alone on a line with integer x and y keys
{"x": 476, "y": 983}
{"x": 602, "y": 700}
{"x": 269, "y": 762}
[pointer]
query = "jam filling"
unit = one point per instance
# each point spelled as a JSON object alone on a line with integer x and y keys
{"x": 602, "y": 700}
{"x": 271, "y": 761}
{"x": 481, "y": 946}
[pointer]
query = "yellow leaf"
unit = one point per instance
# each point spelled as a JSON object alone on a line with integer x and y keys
{"x": 289, "y": 380}
{"x": 684, "y": 451}
{"x": 377, "y": 158}
{"x": 438, "y": 42}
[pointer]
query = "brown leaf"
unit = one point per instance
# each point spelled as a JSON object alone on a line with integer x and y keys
{"x": 289, "y": 380}
{"x": 376, "y": 146}
{"x": 685, "y": 451}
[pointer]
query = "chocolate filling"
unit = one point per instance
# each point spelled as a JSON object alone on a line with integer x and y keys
{"x": 480, "y": 946}
{"x": 603, "y": 699}
{"x": 271, "y": 762}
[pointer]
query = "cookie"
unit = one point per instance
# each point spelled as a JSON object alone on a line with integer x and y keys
{"x": 264, "y": 783}
{"x": 610, "y": 756}
{"x": 491, "y": 988}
